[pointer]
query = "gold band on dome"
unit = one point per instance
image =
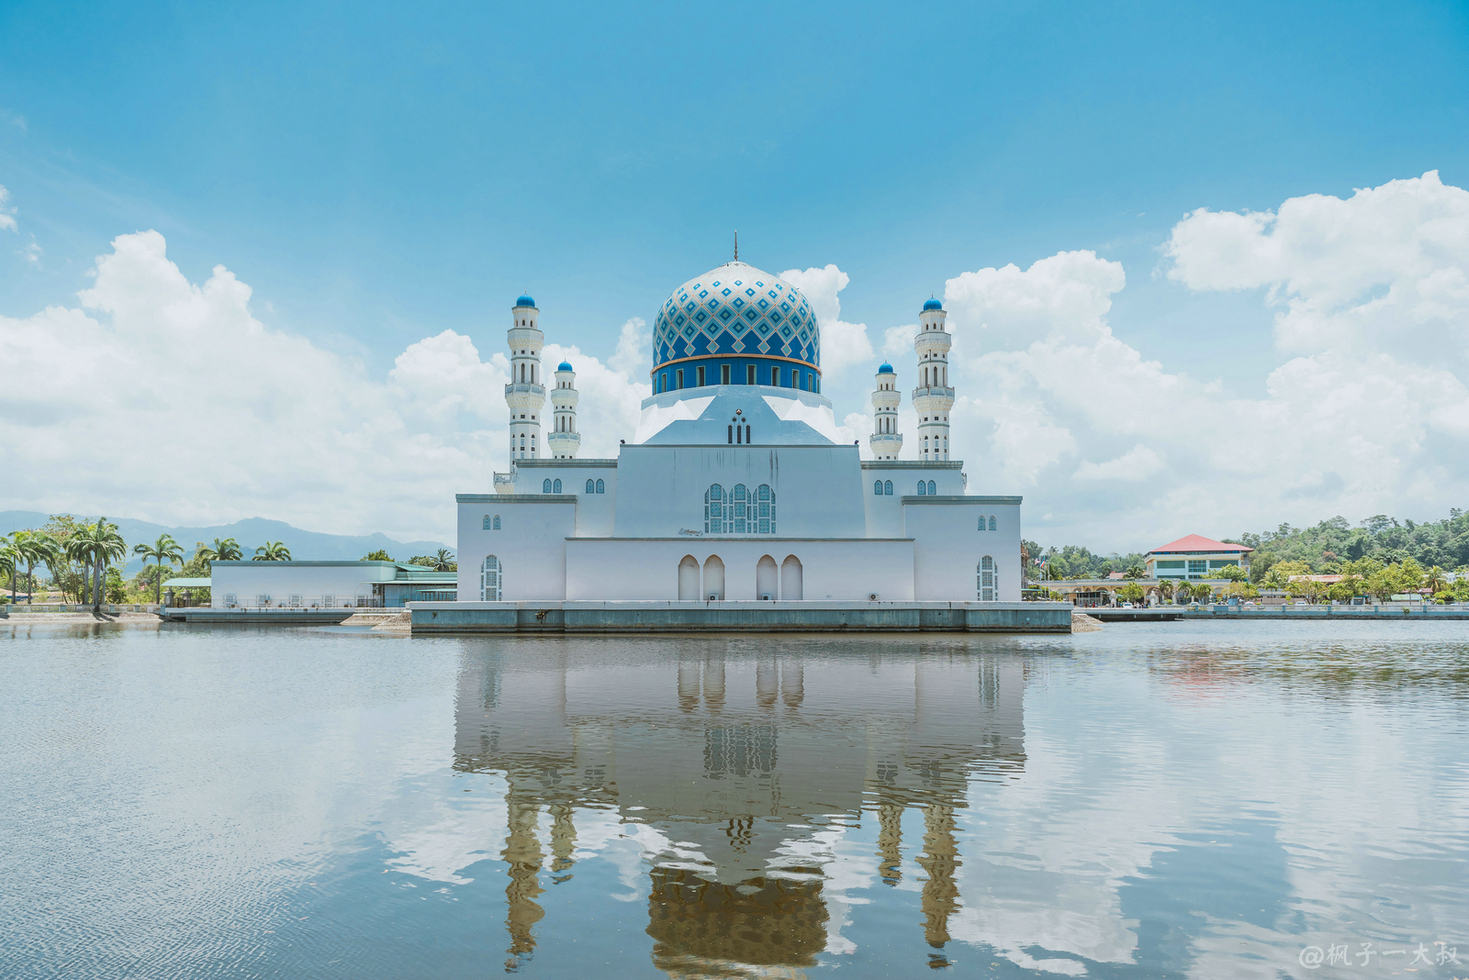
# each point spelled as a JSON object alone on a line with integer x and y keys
{"x": 735, "y": 357}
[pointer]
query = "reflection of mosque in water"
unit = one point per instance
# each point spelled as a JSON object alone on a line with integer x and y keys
{"x": 729, "y": 750}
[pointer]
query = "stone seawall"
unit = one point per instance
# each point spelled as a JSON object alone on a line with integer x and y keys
{"x": 816, "y": 616}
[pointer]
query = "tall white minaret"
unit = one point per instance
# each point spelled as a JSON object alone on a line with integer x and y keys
{"x": 887, "y": 441}
{"x": 564, "y": 440}
{"x": 525, "y": 394}
{"x": 933, "y": 397}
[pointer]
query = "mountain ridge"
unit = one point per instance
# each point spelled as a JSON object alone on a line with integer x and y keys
{"x": 249, "y": 532}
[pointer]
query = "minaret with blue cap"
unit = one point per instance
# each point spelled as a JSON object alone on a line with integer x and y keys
{"x": 564, "y": 440}
{"x": 887, "y": 441}
{"x": 933, "y": 397}
{"x": 526, "y": 392}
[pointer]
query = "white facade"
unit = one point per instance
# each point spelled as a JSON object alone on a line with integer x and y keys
{"x": 743, "y": 490}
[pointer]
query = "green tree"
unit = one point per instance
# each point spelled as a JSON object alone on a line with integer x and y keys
{"x": 1165, "y": 588}
{"x": 1135, "y": 570}
{"x": 272, "y": 551}
{"x": 96, "y": 547}
{"x": 225, "y": 549}
{"x": 444, "y": 561}
{"x": 378, "y": 555}
{"x": 1132, "y": 592}
{"x": 9, "y": 559}
{"x": 34, "y": 548}
{"x": 165, "y": 548}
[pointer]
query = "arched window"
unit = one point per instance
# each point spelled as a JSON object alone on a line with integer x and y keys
{"x": 490, "y": 580}
{"x": 986, "y": 579}
{"x": 981, "y": 522}
{"x": 992, "y": 522}
{"x": 739, "y": 510}
{"x": 887, "y": 488}
{"x": 931, "y": 490}
{"x": 765, "y": 503}
{"x": 486, "y": 524}
{"x": 747, "y": 435}
{"x": 714, "y": 510}
{"x": 922, "y": 488}
{"x": 877, "y": 488}
{"x": 601, "y": 487}
{"x": 545, "y": 486}
{"x": 591, "y": 487}
{"x": 497, "y": 522}
{"x": 556, "y": 487}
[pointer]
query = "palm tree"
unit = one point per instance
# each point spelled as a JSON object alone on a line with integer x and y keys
{"x": 96, "y": 546}
{"x": 34, "y": 548}
{"x": 164, "y": 547}
{"x": 224, "y": 550}
{"x": 444, "y": 561}
{"x": 1434, "y": 580}
{"x": 272, "y": 551}
{"x": 8, "y": 560}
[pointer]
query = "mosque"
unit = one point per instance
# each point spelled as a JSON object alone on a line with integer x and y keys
{"x": 737, "y": 484}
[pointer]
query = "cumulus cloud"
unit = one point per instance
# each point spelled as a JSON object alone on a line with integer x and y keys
{"x": 897, "y": 342}
{"x": 1367, "y": 412}
{"x": 168, "y": 400}
{"x": 7, "y": 214}
{"x": 842, "y": 344}
{"x": 1138, "y": 463}
{"x": 634, "y": 356}
{"x": 610, "y": 402}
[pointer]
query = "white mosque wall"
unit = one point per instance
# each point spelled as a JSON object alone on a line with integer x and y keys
{"x": 643, "y": 568}
{"x": 817, "y": 488}
{"x": 948, "y": 545}
{"x": 595, "y": 511}
{"x": 530, "y": 543}
{"x": 885, "y": 513}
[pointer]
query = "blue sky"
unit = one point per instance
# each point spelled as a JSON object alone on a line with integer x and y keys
{"x": 379, "y": 174}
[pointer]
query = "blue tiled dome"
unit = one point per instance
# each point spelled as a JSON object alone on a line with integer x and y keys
{"x": 525, "y": 301}
{"x": 736, "y": 310}
{"x": 933, "y": 304}
{"x": 885, "y": 369}
{"x": 564, "y": 366}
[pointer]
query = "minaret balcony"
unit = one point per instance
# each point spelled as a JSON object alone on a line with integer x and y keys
{"x": 933, "y": 392}
{"x": 525, "y": 389}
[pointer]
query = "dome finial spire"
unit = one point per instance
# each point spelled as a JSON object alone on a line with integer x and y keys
{"x": 737, "y": 245}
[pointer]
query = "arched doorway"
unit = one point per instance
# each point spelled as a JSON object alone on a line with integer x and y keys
{"x": 790, "y": 578}
{"x": 688, "y": 578}
{"x": 713, "y": 578}
{"x": 986, "y": 579}
{"x": 767, "y": 578}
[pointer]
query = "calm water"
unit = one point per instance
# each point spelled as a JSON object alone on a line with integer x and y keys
{"x": 1201, "y": 800}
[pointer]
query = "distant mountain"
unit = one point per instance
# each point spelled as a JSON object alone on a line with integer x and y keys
{"x": 249, "y": 533}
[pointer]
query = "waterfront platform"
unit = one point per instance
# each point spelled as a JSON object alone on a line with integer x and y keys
{"x": 1397, "y": 611}
{"x": 806, "y": 616}
{"x": 257, "y": 617}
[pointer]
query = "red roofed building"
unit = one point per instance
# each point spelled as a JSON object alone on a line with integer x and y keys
{"x": 1195, "y": 557}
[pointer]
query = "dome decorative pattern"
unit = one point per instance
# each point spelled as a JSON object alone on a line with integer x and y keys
{"x": 736, "y": 310}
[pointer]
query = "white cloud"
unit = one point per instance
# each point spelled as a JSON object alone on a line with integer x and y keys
{"x": 32, "y": 252}
{"x": 610, "y": 403}
{"x": 634, "y": 357}
{"x": 168, "y": 400}
{"x": 897, "y": 342}
{"x": 7, "y": 214}
{"x": 842, "y": 344}
{"x": 1138, "y": 463}
{"x": 1368, "y": 413}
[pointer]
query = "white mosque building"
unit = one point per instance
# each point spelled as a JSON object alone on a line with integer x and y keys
{"x": 737, "y": 484}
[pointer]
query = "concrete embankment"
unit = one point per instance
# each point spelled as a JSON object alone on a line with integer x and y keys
{"x": 1399, "y": 612}
{"x": 810, "y": 616}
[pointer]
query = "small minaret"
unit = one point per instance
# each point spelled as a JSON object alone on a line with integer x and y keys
{"x": 887, "y": 441}
{"x": 933, "y": 397}
{"x": 525, "y": 394}
{"x": 564, "y": 440}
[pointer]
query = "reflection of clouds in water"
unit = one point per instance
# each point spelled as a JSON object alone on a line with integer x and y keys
{"x": 1050, "y": 857}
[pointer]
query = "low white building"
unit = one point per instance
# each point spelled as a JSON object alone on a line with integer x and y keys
{"x": 737, "y": 484}
{"x": 325, "y": 584}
